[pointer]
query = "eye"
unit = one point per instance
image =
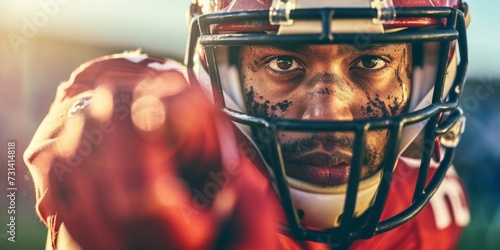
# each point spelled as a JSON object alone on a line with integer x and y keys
{"x": 284, "y": 63}
{"x": 371, "y": 63}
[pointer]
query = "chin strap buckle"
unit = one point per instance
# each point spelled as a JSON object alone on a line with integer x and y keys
{"x": 279, "y": 13}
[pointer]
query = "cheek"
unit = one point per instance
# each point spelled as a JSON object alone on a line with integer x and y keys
{"x": 255, "y": 102}
{"x": 259, "y": 100}
{"x": 377, "y": 139}
{"x": 376, "y": 144}
{"x": 374, "y": 104}
{"x": 387, "y": 103}
{"x": 260, "y": 105}
{"x": 389, "y": 99}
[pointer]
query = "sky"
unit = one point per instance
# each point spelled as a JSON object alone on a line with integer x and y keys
{"x": 160, "y": 26}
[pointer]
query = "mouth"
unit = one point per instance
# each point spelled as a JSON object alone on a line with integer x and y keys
{"x": 320, "y": 168}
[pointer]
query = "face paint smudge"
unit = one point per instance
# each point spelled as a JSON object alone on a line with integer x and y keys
{"x": 255, "y": 108}
{"x": 284, "y": 105}
{"x": 396, "y": 104}
{"x": 375, "y": 108}
{"x": 264, "y": 109}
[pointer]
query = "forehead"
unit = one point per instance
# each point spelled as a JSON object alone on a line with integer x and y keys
{"x": 339, "y": 48}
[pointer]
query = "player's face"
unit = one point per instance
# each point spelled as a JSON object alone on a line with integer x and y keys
{"x": 327, "y": 82}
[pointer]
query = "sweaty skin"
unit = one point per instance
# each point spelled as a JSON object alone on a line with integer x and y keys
{"x": 327, "y": 82}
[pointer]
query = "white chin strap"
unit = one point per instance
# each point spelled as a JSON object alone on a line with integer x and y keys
{"x": 322, "y": 207}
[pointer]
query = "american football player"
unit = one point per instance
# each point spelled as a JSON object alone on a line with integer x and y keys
{"x": 292, "y": 124}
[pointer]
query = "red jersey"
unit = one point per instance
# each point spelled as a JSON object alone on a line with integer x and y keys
{"x": 439, "y": 224}
{"x": 111, "y": 185}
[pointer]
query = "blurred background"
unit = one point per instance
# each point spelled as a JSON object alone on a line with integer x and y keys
{"x": 43, "y": 41}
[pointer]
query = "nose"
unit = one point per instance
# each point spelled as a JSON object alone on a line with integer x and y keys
{"x": 329, "y": 97}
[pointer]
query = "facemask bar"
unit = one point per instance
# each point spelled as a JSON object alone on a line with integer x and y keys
{"x": 343, "y": 235}
{"x": 430, "y": 127}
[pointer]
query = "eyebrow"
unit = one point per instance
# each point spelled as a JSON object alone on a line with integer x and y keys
{"x": 376, "y": 46}
{"x": 301, "y": 49}
{"x": 304, "y": 49}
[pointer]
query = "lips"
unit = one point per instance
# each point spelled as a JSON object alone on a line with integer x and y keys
{"x": 326, "y": 169}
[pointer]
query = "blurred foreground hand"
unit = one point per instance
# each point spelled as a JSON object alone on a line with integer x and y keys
{"x": 131, "y": 157}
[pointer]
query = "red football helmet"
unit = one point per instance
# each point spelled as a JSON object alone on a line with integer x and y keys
{"x": 436, "y": 30}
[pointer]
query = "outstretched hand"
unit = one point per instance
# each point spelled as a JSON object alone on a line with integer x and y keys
{"x": 152, "y": 165}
